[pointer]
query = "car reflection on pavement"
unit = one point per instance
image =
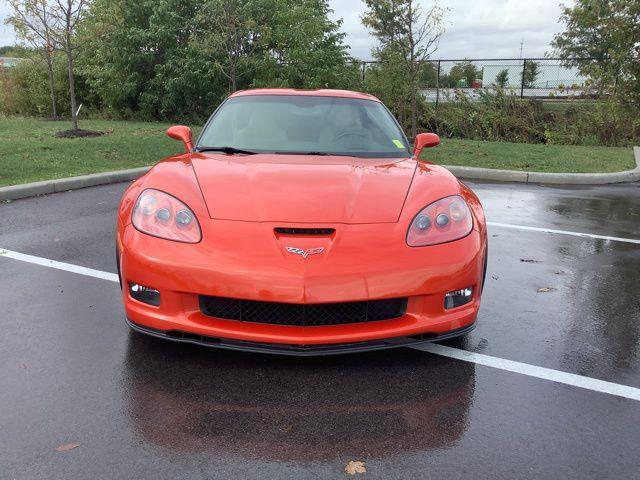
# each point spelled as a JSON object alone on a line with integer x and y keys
{"x": 191, "y": 399}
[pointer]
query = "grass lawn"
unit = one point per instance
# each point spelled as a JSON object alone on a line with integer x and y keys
{"x": 29, "y": 152}
{"x": 531, "y": 157}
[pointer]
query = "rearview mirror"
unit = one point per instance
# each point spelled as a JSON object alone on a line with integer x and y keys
{"x": 425, "y": 140}
{"x": 182, "y": 133}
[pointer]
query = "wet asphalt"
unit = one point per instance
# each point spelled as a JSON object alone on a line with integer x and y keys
{"x": 142, "y": 408}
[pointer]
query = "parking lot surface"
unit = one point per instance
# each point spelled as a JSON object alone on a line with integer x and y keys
{"x": 139, "y": 407}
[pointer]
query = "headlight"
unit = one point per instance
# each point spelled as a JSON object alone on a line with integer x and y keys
{"x": 161, "y": 215}
{"x": 443, "y": 221}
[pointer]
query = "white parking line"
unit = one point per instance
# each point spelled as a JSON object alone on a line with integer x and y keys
{"x": 563, "y": 232}
{"x": 45, "y": 262}
{"x": 456, "y": 353}
{"x": 532, "y": 370}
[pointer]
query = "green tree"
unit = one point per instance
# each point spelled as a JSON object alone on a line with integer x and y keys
{"x": 229, "y": 35}
{"x": 408, "y": 36}
{"x": 302, "y": 47}
{"x": 465, "y": 71}
{"x": 429, "y": 74}
{"x": 139, "y": 59}
{"x": 502, "y": 78}
{"x": 170, "y": 59}
{"x": 602, "y": 40}
{"x": 531, "y": 71}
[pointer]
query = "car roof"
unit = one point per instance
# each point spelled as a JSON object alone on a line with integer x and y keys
{"x": 322, "y": 92}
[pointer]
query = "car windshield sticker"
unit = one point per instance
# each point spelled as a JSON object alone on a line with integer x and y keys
{"x": 398, "y": 143}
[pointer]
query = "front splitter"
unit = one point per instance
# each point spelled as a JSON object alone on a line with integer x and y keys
{"x": 298, "y": 350}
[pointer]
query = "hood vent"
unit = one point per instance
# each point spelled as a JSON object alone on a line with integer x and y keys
{"x": 304, "y": 231}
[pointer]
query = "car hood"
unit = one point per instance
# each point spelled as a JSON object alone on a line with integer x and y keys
{"x": 302, "y": 188}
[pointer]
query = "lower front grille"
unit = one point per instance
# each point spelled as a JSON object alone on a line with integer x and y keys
{"x": 302, "y": 315}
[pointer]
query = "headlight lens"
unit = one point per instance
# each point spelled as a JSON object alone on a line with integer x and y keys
{"x": 443, "y": 221}
{"x": 161, "y": 215}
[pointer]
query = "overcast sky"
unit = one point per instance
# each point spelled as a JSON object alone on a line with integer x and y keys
{"x": 475, "y": 29}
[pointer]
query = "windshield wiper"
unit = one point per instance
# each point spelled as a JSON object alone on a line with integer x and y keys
{"x": 227, "y": 150}
{"x": 334, "y": 154}
{"x": 303, "y": 153}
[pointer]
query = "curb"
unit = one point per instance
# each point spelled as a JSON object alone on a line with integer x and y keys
{"x": 14, "y": 192}
{"x": 473, "y": 173}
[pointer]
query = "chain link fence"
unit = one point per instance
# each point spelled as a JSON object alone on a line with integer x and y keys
{"x": 546, "y": 79}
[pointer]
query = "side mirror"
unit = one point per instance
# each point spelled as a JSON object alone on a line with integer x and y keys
{"x": 182, "y": 133}
{"x": 425, "y": 140}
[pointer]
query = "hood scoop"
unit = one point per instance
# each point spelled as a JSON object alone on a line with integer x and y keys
{"x": 304, "y": 231}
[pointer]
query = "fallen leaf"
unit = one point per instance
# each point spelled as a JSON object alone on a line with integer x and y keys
{"x": 355, "y": 467}
{"x": 65, "y": 447}
{"x": 545, "y": 289}
{"x": 529, "y": 260}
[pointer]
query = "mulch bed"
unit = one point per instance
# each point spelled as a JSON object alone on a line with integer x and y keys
{"x": 78, "y": 133}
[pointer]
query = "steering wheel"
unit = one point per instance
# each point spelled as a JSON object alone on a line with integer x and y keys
{"x": 350, "y": 134}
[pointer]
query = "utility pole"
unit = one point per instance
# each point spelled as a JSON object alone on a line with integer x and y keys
{"x": 521, "y": 47}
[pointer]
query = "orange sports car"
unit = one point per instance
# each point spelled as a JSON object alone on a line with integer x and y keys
{"x": 301, "y": 222}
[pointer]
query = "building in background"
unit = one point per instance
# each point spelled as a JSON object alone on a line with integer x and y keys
{"x": 9, "y": 62}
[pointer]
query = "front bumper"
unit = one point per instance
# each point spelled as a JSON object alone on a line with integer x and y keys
{"x": 298, "y": 350}
{"x": 229, "y": 267}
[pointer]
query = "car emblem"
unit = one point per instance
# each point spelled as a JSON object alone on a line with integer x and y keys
{"x": 305, "y": 253}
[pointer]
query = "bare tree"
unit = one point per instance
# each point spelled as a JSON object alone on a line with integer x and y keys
{"x": 423, "y": 38}
{"x": 68, "y": 13}
{"x": 402, "y": 26}
{"x": 34, "y": 23}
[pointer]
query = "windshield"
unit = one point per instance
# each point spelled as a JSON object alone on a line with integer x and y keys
{"x": 306, "y": 124}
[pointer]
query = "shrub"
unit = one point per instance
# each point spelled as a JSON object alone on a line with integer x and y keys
{"x": 494, "y": 116}
{"x": 500, "y": 116}
{"x": 605, "y": 122}
{"x": 24, "y": 89}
